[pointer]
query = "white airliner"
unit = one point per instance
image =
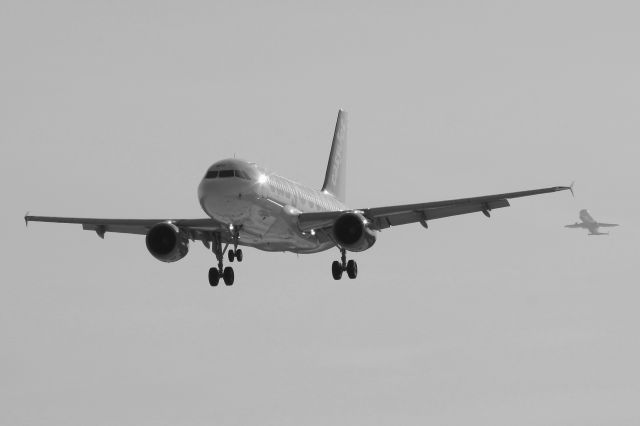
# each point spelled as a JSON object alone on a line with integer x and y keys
{"x": 249, "y": 206}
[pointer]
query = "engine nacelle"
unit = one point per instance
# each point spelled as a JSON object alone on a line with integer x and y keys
{"x": 351, "y": 232}
{"x": 166, "y": 242}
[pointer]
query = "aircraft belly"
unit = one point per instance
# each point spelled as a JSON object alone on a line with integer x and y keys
{"x": 593, "y": 229}
{"x": 264, "y": 223}
{"x": 265, "y": 227}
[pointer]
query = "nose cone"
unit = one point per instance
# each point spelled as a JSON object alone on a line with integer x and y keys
{"x": 220, "y": 187}
{"x": 224, "y": 186}
{"x": 221, "y": 191}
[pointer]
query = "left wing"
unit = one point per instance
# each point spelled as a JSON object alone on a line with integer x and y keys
{"x": 198, "y": 229}
{"x": 576, "y": 225}
{"x": 385, "y": 217}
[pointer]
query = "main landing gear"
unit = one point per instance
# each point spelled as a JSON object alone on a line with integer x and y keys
{"x": 338, "y": 267}
{"x": 235, "y": 253}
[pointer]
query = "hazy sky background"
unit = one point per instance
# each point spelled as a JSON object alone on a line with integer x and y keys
{"x": 116, "y": 109}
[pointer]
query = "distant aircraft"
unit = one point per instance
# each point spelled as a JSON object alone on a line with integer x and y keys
{"x": 248, "y": 206}
{"x": 591, "y": 224}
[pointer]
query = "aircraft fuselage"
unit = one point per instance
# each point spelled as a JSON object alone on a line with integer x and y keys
{"x": 263, "y": 205}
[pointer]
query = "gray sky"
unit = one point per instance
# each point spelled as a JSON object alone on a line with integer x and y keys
{"x": 116, "y": 109}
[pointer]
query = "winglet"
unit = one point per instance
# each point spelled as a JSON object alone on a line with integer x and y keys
{"x": 571, "y": 188}
{"x": 26, "y": 219}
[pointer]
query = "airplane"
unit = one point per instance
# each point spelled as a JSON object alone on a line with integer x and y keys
{"x": 591, "y": 224}
{"x": 249, "y": 206}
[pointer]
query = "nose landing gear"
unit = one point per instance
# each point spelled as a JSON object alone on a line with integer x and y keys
{"x": 338, "y": 267}
{"x": 235, "y": 254}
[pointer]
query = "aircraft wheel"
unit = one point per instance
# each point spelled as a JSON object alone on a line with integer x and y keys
{"x": 352, "y": 269}
{"x": 232, "y": 256}
{"x": 214, "y": 277}
{"x": 336, "y": 270}
{"x": 228, "y": 275}
{"x": 239, "y": 255}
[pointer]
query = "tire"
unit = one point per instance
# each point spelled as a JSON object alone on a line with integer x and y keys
{"x": 214, "y": 277}
{"x": 352, "y": 269}
{"x": 231, "y": 255}
{"x": 239, "y": 255}
{"x": 336, "y": 270}
{"x": 228, "y": 275}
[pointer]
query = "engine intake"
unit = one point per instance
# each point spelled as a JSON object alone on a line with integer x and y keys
{"x": 351, "y": 232}
{"x": 166, "y": 242}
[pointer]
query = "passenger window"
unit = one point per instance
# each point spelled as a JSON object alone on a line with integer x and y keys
{"x": 211, "y": 174}
{"x": 226, "y": 173}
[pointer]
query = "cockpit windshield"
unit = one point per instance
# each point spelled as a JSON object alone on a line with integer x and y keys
{"x": 213, "y": 174}
{"x": 241, "y": 174}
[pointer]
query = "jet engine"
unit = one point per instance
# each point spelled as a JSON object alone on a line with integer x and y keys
{"x": 166, "y": 242}
{"x": 351, "y": 232}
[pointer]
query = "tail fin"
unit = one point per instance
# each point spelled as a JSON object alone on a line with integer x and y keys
{"x": 335, "y": 177}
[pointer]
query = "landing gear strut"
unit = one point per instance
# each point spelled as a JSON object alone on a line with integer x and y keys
{"x": 235, "y": 253}
{"x": 227, "y": 273}
{"x": 338, "y": 267}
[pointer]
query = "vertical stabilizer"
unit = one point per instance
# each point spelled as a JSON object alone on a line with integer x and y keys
{"x": 335, "y": 178}
{"x": 586, "y": 217}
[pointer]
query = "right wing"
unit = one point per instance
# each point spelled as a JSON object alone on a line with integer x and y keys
{"x": 198, "y": 229}
{"x": 576, "y": 225}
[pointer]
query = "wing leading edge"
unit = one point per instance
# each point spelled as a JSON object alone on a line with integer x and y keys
{"x": 385, "y": 217}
